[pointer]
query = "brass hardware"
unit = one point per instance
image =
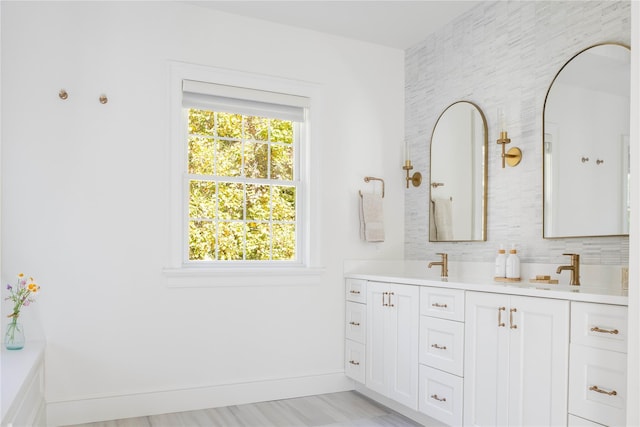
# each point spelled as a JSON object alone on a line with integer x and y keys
{"x": 373, "y": 178}
{"x": 500, "y": 322}
{"x": 511, "y": 325}
{"x": 437, "y": 184}
{"x": 599, "y": 162}
{"x": 511, "y": 157}
{"x": 63, "y": 94}
{"x": 599, "y": 390}
{"x": 439, "y": 399}
{"x": 390, "y": 304}
{"x": 416, "y": 178}
{"x": 437, "y": 347}
{"x": 354, "y": 292}
{"x": 574, "y": 268}
{"x": 435, "y": 304}
{"x": 103, "y": 99}
{"x": 605, "y": 331}
{"x": 443, "y": 263}
{"x": 354, "y": 323}
{"x": 353, "y": 362}
{"x": 584, "y": 159}
{"x": 384, "y": 304}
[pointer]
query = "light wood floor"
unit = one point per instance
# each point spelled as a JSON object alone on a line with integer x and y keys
{"x": 345, "y": 409}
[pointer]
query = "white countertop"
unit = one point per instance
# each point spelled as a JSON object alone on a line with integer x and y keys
{"x": 16, "y": 366}
{"x": 412, "y": 274}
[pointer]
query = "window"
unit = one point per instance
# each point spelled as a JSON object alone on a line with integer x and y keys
{"x": 242, "y": 174}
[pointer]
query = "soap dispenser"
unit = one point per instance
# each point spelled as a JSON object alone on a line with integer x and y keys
{"x": 501, "y": 263}
{"x": 513, "y": 264}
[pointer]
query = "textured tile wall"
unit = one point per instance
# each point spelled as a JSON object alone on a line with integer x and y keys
{"x": 504, "y": 53}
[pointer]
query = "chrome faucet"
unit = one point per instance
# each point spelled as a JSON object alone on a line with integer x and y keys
{"x": 443, "y": 263}
{"x": 574, "y": 267}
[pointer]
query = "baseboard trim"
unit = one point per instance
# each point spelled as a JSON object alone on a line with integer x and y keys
{"x": 166, "y": 401}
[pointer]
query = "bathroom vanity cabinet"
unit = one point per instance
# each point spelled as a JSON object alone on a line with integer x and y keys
{"x": 469, "y": 354}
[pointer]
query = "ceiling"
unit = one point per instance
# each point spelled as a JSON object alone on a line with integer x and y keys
{"x": 398, "y": 24}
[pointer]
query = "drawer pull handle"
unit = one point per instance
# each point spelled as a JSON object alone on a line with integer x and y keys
{"x": 384, "y": 303}
{"x": 500, "y": 322}
{"x": 605, "y": 331}
{"x": 511, "y": 325}
{"x": 599, "y": 390}
{"x": 435, "y": 304}
{"x": 436, "y": 346}
{"x": 354, "y": 292}
{"x": 439, "y": 399}
{"x": 354, "y": 323}
{"x": 353, "y": 362}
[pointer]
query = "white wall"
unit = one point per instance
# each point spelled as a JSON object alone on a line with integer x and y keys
{"x": 85, "y": 205}
{"x": 505, "y": 54}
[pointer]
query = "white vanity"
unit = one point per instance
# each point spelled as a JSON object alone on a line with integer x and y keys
{"x": 477, "y": 352}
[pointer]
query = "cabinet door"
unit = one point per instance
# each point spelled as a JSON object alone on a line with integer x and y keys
{"x": 486, "y": 359}
{"x": 538, "y": 361}
{"x": 404, "y": 318}
{"x": 377, "y": 340}
{"x": 392, "y": 341}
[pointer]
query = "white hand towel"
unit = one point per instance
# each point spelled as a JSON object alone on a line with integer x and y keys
{"x": 442, "y": 218}
{"x": 371, "y": 218}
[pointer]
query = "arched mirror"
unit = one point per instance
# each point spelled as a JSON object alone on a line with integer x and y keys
{"x": 586, "y": 145}
{"x": 458, "y": 182}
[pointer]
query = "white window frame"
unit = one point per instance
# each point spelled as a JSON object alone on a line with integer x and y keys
{"x": 307, "y": 269}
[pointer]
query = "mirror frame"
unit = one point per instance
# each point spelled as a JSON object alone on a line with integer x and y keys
{"x": 544, "y": 108}
{"x": 485, "y": 159}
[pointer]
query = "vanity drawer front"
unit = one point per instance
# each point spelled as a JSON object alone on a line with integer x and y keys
{"x": 356, "y": 322}
{"x": 440, "y": 395}
{"x": 442, "y": 344}
{"x": 356, "y": 290}
{"x": 443, "y": 303}
{"x": 599, "y": 325}
{"x": 598, "y": 385}
{"x": 354, "y": 360}
{"x": 573, "y": 421}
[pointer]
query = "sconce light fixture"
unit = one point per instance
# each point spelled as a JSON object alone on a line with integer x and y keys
{"x": 514, "y": 155}
{"x": 416, "y": 178}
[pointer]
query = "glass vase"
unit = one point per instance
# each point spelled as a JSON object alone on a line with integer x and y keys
{"x": 14, "y": 337}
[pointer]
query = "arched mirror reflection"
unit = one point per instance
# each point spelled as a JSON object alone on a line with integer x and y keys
{"x": 586, "y": 145}
{"x": 458, "y": 180}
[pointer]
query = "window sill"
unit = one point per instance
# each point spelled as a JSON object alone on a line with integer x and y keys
{"x": 234, "y": 277}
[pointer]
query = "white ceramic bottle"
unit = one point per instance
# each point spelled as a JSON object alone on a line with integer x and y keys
{"x": 513, "y": 264}
{"x": 501, "y": 263}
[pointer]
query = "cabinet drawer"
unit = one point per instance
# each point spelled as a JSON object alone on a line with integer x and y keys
{"x": 598, "y": 385}
{"x": 442, "y": 344}
{"x": 356, "y": 290}
{"x": 443, "y": 303}
{"x": 354, "y": 360}
{"x": 599, "y": 325}
{"x": 574, "y": 421}
{"x": 356, "y": 320}
{"x": 440, "y": 396}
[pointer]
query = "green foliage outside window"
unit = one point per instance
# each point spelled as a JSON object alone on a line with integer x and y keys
{"x": 242, "y": 199}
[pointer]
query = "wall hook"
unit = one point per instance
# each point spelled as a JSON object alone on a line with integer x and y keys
{"x": 63, "y": 94}
{"x": 103, "y": 99}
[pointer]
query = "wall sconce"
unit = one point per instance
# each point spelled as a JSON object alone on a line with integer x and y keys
{"x": 416, "y": 178}
{"x": 514, "y": 155}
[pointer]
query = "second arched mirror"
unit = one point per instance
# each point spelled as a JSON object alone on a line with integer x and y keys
{"x": 458, "y": 182}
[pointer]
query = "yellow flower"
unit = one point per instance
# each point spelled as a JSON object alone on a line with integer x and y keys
{"x": 21, "y": 275}
{"x": 33, "y": 287}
